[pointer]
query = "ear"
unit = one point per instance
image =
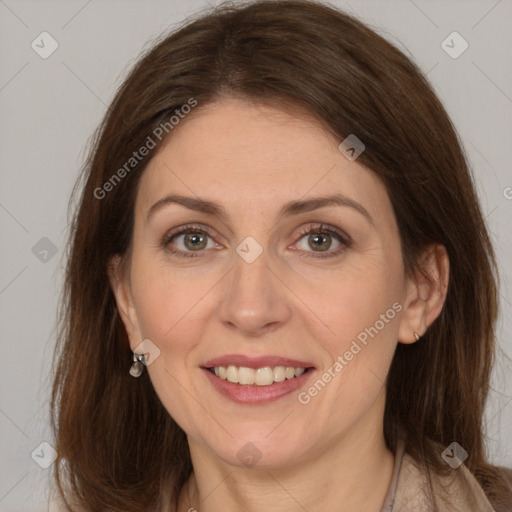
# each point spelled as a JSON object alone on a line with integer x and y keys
{"x": 121, "y": 287}
{"x": 425, "y": 295}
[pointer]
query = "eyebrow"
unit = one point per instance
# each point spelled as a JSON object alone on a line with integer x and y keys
{"x": 289, "y": 209}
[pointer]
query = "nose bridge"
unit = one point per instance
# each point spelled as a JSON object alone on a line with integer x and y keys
{"x": 254, "y": 298}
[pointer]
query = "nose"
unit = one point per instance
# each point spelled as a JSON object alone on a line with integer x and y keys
{"x": 255, "y": 300}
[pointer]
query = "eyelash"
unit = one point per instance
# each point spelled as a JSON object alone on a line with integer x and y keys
{"x": 311, "y": 229}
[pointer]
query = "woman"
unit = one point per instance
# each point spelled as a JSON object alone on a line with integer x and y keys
{"x": 281, "y": 293}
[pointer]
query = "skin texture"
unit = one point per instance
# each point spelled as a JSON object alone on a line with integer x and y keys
{"x": 289, "y": 302}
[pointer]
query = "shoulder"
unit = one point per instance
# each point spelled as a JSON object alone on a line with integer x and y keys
{"x": 457, "y": 491}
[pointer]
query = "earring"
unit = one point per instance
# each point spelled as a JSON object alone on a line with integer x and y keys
{"x": 416, "y": 335}
{"x": 138, "y": 365}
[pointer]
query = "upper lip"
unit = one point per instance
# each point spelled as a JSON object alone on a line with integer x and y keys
{"x": 255, "y": 362}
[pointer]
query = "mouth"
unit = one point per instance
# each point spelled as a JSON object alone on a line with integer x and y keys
{"x": 256, "y": 380}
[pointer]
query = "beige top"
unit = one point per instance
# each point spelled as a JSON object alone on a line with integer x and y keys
{"x": 408, "y": 491}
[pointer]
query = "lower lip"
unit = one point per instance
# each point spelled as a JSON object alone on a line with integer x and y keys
{"x": 252, "y": 394}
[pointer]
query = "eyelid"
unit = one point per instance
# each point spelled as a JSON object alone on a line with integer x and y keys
{"x": 320, "y": 227}
{"x": 187, "y": 228}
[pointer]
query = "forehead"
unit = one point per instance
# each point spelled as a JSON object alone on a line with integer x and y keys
{"x": 241, "y": 154}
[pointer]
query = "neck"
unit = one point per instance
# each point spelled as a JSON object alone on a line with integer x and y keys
{"x": 353, "y": 474}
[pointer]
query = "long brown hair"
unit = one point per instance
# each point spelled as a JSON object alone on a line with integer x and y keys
{"x": 118, "y": 447}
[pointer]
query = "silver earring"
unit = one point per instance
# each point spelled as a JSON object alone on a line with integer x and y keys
{"x": 137, "y": 365}
{"x": 416, "y": 335}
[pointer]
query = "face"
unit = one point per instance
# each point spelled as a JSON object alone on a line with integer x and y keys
{"x": 265, "y": 278}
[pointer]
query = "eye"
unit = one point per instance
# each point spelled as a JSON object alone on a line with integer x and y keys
{"x": 320, "y": 240}
{"x": 189, "y": 239}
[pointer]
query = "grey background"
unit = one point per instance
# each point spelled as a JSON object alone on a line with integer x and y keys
{"x": 50, "y": 107}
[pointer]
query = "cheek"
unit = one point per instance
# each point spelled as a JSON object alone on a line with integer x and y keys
{"x": 167, "y": 298}
{"x": 354, "y": 297}
{"x": 362, "y": 308}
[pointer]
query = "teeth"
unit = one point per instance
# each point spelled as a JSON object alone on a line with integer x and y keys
{"x": 279, "y": 374}
{"x": 232, "y": 374}
{"x": 264, "y": 376}
{"x": 245, "y": 376}
{"x": 260, "y": 377}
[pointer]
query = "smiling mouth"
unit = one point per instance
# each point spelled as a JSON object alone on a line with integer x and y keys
{"x": 265, "y": 376}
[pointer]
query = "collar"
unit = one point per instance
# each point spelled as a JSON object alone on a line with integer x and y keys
{"x": 408, "y": 491}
